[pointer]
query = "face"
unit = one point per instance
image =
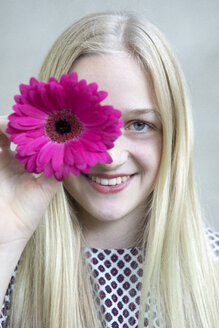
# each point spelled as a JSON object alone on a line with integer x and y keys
{"x": 137, "y": 152}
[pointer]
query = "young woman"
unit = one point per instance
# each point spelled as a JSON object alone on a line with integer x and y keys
{"x": 124, "y": 246}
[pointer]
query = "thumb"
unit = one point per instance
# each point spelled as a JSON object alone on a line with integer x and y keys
{"x": 49, "y": 185}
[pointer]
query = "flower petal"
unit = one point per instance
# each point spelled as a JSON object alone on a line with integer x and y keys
{"x": 78, "y": 152}
{"x": 18, "y": 99}
{"x": 45, "y": 154}
{"x": 93, "y": 87}
{"x": 35, "y": 133}
{"x": 52, "y": 79}
{"x": 34, "y": 82}
{"x": 31, "y": 163}
{"x": 35, "y": 100}
{"x": 25, "y": 123}
{"x": 19, "y": 138}
{"x": 57, "y": 159}
{"x": 46, "y": 99}
{"x": 24, "y": 88}
{"x": 31, "y": 111}
{"x": 75, "y": 171}
{"x": 86, "y": 170}
{"x": 66, "y": 170}
{"x": 102, "y": 95}
{"x": 58, "y": 95}
{"x": 92, "y": 146}
{"x": 32, "y": 147}
{"x": 69, "y": 157}
{"x": 59, "y": 175}
{"x": 48, "y": 170}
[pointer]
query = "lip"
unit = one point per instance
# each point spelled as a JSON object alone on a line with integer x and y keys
{"x": 109, "y": 189}
{"x": 109, "y": 176}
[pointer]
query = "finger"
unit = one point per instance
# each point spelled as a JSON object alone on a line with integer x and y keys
{"x": 4, "y": 137}
{"x": 4, "y": 124}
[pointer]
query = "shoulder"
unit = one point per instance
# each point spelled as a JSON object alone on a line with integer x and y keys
{"x": 213, "y": 238}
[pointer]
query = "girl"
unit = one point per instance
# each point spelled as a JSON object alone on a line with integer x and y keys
{"x": 125, "y": 245}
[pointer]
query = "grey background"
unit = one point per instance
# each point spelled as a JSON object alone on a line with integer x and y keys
{"x": 29, "y": 27}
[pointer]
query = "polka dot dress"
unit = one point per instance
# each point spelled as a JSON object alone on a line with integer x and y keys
{"x": 116, "y": 283}
{"x": 6, "y": 305}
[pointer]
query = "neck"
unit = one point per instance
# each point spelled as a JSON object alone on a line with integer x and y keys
{"x": 122, "y": 233}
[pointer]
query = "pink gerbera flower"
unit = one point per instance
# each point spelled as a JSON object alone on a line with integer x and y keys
{"x": 61, "y": 127}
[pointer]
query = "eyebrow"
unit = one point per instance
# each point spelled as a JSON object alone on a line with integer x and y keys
{"x": 140, "y": 111}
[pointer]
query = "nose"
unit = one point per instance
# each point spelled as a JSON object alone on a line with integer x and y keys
{"x": 119, "y": 153}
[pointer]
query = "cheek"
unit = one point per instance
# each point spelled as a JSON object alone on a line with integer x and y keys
{"x": 149, "y": 155}
{"x": 72, "y": 184}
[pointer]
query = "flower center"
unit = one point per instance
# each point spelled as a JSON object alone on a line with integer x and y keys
{"x": 62, "y": 126}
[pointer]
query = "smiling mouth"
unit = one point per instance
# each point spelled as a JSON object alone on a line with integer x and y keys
{"x": 103, "y": 181}
{"x": 109, "y": 182}
{"x": 103, "y": 185}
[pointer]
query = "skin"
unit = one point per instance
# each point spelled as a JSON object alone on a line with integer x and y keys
{"x": 113, "y": 220}
{"x": 23, "y": 201}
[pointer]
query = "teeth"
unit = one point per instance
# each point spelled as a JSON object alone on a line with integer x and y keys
{"x": 109, "y": 182}
{"x": 103, "y": 182}
{"x": 112, "y": 182}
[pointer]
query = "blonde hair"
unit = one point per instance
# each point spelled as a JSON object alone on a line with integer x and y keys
{"x": 52, "y": 288}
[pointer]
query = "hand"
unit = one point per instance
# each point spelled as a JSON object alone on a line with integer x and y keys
{"x": 23, "y": 198}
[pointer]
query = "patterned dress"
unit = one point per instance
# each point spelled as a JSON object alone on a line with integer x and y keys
{"x": 116, "y": 281}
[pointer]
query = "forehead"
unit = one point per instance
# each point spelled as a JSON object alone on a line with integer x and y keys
{"x": 126, "y": 83}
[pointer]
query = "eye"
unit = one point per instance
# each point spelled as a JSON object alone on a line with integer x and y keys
{"x": 139, "y": 126}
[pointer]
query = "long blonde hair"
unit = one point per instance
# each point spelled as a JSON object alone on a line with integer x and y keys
{"x": 52, "y": 287}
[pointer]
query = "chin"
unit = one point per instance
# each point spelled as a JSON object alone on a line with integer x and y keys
{"x": 105, "y": 216}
